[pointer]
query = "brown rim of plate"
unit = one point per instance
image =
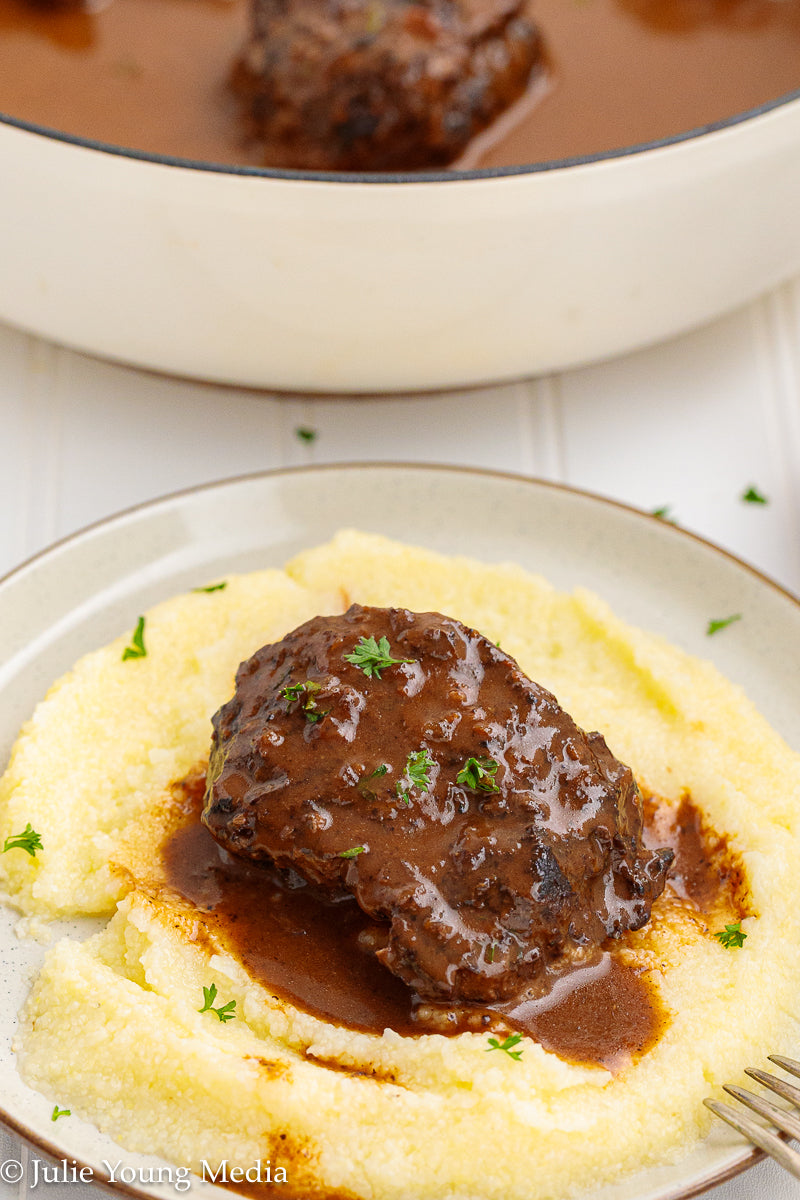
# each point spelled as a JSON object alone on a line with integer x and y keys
{"x": 749, "y": 1157}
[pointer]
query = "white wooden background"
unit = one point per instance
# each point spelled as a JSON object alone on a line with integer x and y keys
{"x": 690, "y": 424}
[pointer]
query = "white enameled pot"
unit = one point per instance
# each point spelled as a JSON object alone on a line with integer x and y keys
{"x": 352, "y": 284}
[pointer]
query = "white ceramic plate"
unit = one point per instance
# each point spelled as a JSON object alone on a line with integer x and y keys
{"x": 82, "y": 592}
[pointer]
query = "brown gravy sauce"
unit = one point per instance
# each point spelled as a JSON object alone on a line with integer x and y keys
{"x": 317, "y": 955}
{"x": 152, "y": 75}
{"x": 705, "y": 869}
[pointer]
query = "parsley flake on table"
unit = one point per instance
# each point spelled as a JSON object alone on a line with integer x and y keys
{"x": 225, "y": 1012}
{"x": 212, "y": 587}
{"x": 512, "y": 1040}
{"x": 136, "y": 649}
{"x": 417, "y": 774}
{"x": 752, "y": 495}
{"x": 29, "y": 840}
{"x": 718, "y": 623}
{"x": 478, "y": 774}
{"x": 304, "y": 433}
{"x": 60, "y": 1112}
{"x": 372, "y": 657}
{"x": 664, "y": 513}
{"x": 732, "y": 936}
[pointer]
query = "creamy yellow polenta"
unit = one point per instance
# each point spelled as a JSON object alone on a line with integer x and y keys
{"x": 112, "y": 1028}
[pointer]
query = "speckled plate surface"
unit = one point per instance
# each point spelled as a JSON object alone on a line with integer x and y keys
{"x": 84, "y": 591}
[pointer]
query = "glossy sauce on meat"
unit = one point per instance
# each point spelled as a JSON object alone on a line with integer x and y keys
{"x": 301, "y": 933}
{"x": 153, "y": 75}
{"x": 404, "y": 759}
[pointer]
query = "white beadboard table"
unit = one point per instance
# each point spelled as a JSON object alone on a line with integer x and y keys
{"x": 690, "y": 424}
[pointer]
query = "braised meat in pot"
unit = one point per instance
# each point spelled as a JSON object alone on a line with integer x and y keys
{"x": 382, "y": 84}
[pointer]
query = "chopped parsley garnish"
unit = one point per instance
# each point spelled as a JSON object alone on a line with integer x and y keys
{"x": 732, "y": 936}
{"x": 716, "y": 624}
{"x": 364, "y": 780}
{"x": 753, "y": 496}
{"x": 372, "y": 657}
{"x": 307, "y": 689}
{"x": 136, "y": 649}
{"x": 490, "y": 955}
{"x": 417, "y": 774}
{"x": 353, "y": 852}
{"x": 225, "y": 1012}
{"x": 418, "y": 767}
{"x": 478, "y": 774}
{"x": 305, "y": 433}
{"x": 60, "y": 1112}
{"x": 212, "y": 587}
{"x": 508, "y": 1045}
{"x": 29, "y": 840}
{"x": 664, "y": 513}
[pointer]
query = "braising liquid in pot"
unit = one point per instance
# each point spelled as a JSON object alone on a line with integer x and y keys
{"x": 152, "y": 75}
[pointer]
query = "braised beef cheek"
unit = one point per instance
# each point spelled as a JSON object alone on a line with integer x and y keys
{"x": 381, "y": 84}
{"x": 407, "y": 760}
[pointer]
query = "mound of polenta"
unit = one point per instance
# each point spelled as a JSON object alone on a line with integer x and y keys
{"x": 112, "y": 1028}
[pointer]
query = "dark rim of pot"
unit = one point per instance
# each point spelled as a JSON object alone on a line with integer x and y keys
{"x": 445, "y": 176}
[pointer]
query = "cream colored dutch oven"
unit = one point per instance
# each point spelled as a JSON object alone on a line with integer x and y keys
{"x": 376, "y": 283}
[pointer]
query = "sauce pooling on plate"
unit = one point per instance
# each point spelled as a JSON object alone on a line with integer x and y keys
{"x": 154, "y": 75}
{"x": 317, "y": 954}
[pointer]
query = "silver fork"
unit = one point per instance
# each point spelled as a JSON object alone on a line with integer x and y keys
{"x": 787, "y": 1122}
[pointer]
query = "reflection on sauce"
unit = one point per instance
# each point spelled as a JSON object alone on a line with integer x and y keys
{"x": 317, "y": 954}
{"x": 152, "y": 74}
{"x": 600, "y": 1013}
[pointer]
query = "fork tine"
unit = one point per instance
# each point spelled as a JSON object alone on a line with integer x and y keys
{"x": 770, "y": 1143}
{"x": 787, "y": 1090}
{"x": 787, "y": 1122}
{"x": 789, "y": 1064}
